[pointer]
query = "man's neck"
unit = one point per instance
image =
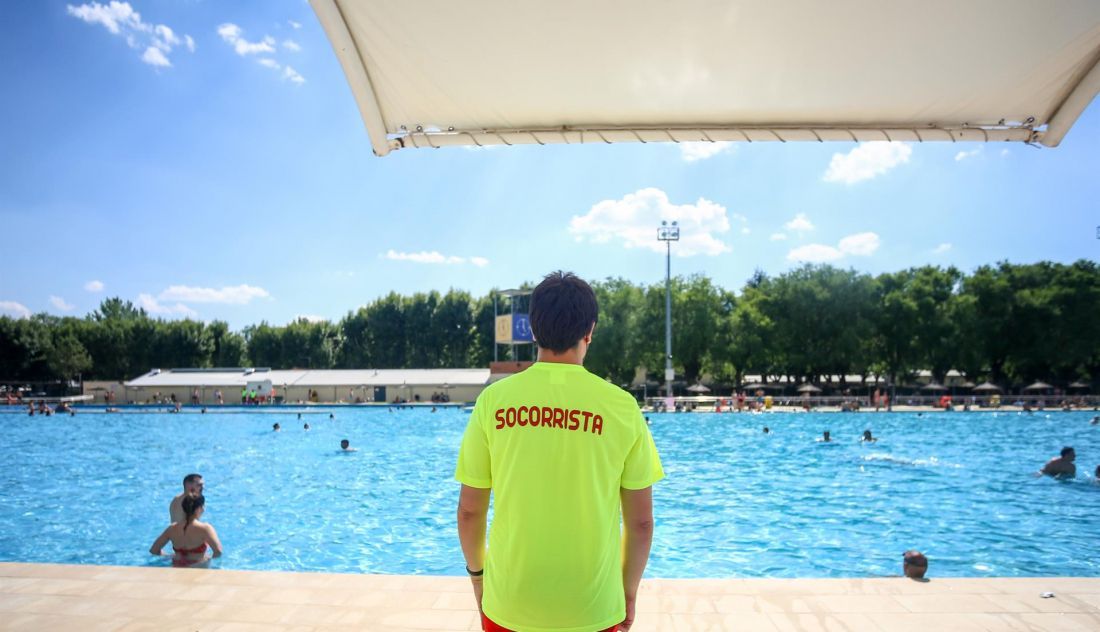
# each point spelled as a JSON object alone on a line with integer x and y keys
{"x": 572, "y": 356}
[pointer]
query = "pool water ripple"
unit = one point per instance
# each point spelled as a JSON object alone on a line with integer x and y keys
{"x": 94, "y": 489}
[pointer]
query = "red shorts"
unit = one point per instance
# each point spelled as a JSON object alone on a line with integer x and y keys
{"x": 488, "y": 626}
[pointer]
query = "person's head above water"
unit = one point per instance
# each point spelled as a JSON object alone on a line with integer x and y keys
{"x": 914, "y": 564}
{"x": 193, "y": 505}
{"x": 563, "y": 313}
{"x": 867, "y": 435}
{"x": 825, "y": 436}
{"x": 766, "y": 430}
{"x": 306, "y": 426}
{"x": 276, "y": 426}
{"x": 193, "y": 484}
{"x": 1068, "y": 453}
{"x": 344, "y": 443}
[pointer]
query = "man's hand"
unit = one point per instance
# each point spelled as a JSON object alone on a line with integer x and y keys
{"x": 629, "y": 620}
{"x": 479, "y": 589}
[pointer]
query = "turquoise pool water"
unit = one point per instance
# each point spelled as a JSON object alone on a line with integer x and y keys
{"x": 94, "y": 489}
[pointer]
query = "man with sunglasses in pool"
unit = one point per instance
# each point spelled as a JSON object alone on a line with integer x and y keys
{"x": 564, "y": 453}
{"x": 192, "y": 486}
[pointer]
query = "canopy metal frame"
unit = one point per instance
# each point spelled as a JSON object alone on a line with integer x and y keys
{"x": 1050, "y": 133}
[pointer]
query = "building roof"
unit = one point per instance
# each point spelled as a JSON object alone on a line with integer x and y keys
{"x": 299, "y": 377}
{"x": 431, "y": 74}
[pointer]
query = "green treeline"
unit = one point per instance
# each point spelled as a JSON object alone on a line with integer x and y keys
{"x": 1007, "y": 323}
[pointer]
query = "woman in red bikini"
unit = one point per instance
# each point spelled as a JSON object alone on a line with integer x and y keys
{"x": 190, "y": 537}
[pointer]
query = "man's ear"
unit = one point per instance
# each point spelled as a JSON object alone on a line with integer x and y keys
{"x": 588, "y": 336}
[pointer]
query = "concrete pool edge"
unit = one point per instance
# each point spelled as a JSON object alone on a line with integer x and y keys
{"x": 68, "y": 597}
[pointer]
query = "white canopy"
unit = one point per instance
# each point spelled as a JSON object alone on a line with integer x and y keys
{"x": 485, "y": 72}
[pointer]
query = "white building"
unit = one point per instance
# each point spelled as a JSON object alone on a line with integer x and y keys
{"x": 322, "y": 386}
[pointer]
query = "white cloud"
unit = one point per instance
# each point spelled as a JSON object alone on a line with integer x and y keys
{"x": 164, "y": 38}
{"x": 119, "y": 18}
{"x": 814, "y": 253}
{"x": 94, "y": 286}
{"x": 866, "y": 161}
{"x": 291, "y": 74}
{"x": 1004, "y": 152}
{"x": 291, "y": 45}
{"x": 860, "y": 244}
{"x": 153, "y": 306}
{"x": 633, "y": 221}
{"x": 778, "y": 236}
{"x": 16, "y": 310}
{"x": 857, "y": 245}
{"x": 694, "y": 151}
{"x": 433, "y": 257}
{"x": 800, "y": 224}
{"x": 268, "y": 62}
{"x": 231, "y": 295}
{"x": 942, "y": 248}
{"x": 963, "y": 155}
{"x": 60, "y": 304}
{"x": 154, "y": 57}
{"x": 231, "y": 33}
{"x": 116, "y": 16}
{"x": 293, "y": 24}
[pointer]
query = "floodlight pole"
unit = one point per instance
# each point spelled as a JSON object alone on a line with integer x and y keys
{"x": 668, "y": 234}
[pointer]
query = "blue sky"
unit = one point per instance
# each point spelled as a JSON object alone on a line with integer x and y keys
{"x": 204, "y": 178}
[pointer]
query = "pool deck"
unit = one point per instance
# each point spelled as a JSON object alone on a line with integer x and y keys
{"x": 64, "y": 597}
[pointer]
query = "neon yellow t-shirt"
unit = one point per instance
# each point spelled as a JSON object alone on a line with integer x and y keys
{"x": 556, "y": 443}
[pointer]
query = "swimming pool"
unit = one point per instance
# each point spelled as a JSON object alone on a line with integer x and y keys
{"x": 94, "y": 489}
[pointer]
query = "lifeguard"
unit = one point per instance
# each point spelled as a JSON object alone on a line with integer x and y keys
{"x": 565, "y": 454}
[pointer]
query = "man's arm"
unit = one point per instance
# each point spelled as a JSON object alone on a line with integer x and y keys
{"x": 637, "y": 538}
{"x": 473, "y": 510}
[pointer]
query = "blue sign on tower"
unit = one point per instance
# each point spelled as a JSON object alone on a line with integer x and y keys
{"x": 521, "y": 328}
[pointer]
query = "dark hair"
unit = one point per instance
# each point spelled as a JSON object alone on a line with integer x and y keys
{"x": 1067, "y": 450}
{"x": 344, "y": 443}
{"x": 191, "y": 503}
{"x": 191, "y": 478}
{"x": 563, "y": 310}
{"x": 915, "y": 558}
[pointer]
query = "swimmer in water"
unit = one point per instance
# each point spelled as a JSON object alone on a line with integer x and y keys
{"x": 345, "y": 445}
{"x": 306, "y": 427}
{"x": 867, "y": 437}
{"x": 767, "y": 430}
{"x": 331, "y": 416}
{"x": 825, "y": 437}
{"x": 299, "y": 416}
{"x": 1095, "y": 421}
{"x": 189, "y": 537}
{"x": 914, "y": 565}
{"x": 276, "y": 427}
{"x": 648, "y": 422}
{"x": 1062, "y": 465}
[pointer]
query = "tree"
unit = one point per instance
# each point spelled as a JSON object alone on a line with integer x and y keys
{"x": 228, "y": 346}
{"x": 422, "y": 344}
{"x": 453, "y": 324}
{"x": 614, "y": 350}
{"x": 67, "y": 357}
